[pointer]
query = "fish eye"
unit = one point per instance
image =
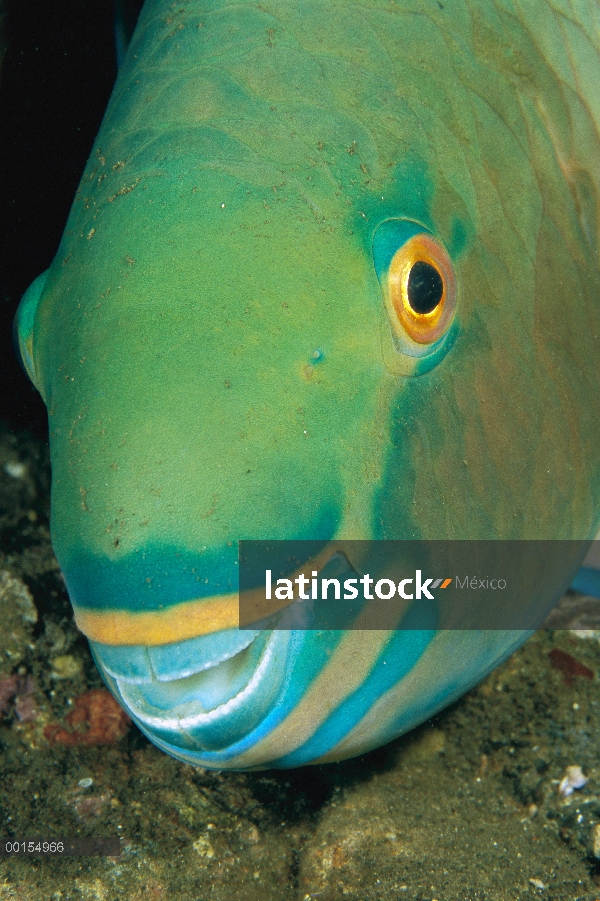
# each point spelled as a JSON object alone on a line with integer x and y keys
{"x": 422, "y": 289}
{"x": 419, "y": 290}
{"x": 425, "y": 288}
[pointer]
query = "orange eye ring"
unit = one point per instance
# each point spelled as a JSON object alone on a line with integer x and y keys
{"x": 422, "y": 289}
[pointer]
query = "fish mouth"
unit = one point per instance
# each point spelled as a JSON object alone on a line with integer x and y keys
{"x": 203, "y": 694}
{"x": 208, "y": 692}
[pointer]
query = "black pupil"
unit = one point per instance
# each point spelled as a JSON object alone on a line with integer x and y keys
{"x": 425, "y": 287}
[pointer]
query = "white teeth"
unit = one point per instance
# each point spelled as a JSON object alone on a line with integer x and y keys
{"x": 200, "y": 655}
{"x": 142, "y": 665}
{"x": 206, "y": 695}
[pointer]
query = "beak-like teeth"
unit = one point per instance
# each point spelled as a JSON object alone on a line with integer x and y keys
{"x": 201, "y": 703}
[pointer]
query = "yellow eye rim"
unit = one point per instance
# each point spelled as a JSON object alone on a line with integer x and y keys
{"x": 424, "y": 328}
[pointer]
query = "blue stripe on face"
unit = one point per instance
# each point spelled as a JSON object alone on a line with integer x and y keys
{"x": 153, "y": 578}
{"x": 156, "y": 577}
{"x": 398, "y": 657}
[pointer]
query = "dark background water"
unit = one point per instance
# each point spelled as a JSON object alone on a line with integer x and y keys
{"x": 56, "y": 79}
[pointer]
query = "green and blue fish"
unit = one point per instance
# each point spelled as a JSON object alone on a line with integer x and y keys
{"x": 331, "y": 273}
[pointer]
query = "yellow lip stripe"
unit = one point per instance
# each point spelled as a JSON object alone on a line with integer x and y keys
{"x": 188, "y": 619}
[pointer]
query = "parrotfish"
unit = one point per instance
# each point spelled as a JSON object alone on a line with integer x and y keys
{"x": 331, "y": 273}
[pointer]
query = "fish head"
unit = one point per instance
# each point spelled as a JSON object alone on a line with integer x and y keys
{"x": 314, "y": 291}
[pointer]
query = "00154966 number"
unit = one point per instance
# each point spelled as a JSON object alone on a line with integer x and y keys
{"x": 31, "y": 846}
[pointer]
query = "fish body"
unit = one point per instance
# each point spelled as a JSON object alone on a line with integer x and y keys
{"x": 226, "y": 348}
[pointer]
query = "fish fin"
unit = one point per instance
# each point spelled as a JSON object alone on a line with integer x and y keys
{"x": 23, "y": 327}
{"x": 587, "y": 579}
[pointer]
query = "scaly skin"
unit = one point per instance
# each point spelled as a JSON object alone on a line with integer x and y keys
{"x": 217, "y": 359}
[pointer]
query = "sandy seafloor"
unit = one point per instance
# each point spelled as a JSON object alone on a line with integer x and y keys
{"x": 465, "y": 807}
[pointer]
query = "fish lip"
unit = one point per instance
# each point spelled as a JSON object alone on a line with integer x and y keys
{"x": 221, "y": 710}
{"x": 115, "y": 660}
